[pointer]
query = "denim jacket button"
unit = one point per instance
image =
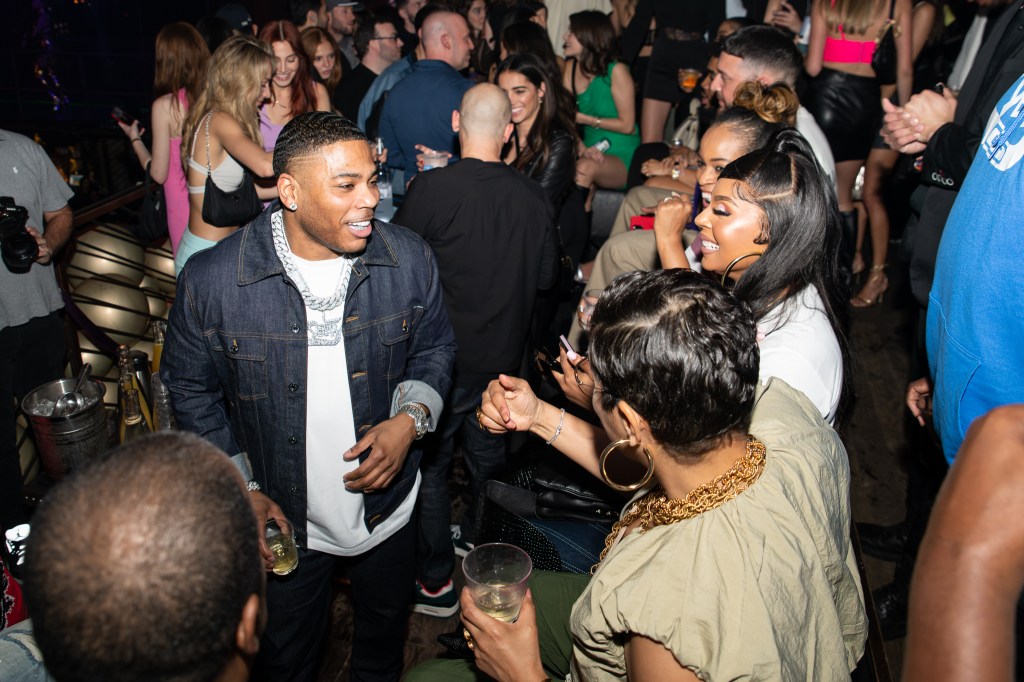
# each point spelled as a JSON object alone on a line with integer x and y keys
{"x": 295, "y": 329}
{"x": 294, "y": 489}
{"x": 292, "y": 440}
{"x": 293, "y": 387}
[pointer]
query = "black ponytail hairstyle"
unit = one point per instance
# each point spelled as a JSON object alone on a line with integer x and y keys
{"x": 802, "y": 230}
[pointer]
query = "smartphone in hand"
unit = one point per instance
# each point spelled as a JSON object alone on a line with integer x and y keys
{"x": 570, "y": 352}
{"x": 119, "y": 114}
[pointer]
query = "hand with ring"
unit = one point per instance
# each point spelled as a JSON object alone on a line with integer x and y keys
{"x": 505, "y": 652}
{"x": 575, "y": 380}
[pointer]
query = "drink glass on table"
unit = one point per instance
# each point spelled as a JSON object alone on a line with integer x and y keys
{"x": 281, "y": 541}
{"x": 688, "y": 79}
{"x": 496, "y": 575}
{"x": 586, "y": 307}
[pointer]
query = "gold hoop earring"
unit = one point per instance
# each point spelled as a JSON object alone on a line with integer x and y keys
{"x": 728, "y": 269}
{"x": 603, "y": 462}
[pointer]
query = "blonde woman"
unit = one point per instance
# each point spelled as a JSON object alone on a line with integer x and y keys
{"x": 225, "y": 113}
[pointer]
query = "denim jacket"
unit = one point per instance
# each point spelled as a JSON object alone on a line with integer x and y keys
{"x": 235, "y": 359}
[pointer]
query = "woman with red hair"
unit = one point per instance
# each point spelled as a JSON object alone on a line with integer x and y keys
{"x": 292, "y": 88}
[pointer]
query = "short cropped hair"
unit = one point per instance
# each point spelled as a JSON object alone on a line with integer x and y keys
{"x": 682, "y": 351}
{"x": 766, "y": 48}
{"x": 367, "y": 31}
{"x": 309, "y": 132}
{"x": 298, "y": 10}
{"x": 139, "y": 566}
{"x": 426, "y": 11}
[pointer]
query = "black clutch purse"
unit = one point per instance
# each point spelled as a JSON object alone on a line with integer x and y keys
{"x": 228, "y": 209}
{"x": 560, "y": 496}
{"x": 153, "y": 219}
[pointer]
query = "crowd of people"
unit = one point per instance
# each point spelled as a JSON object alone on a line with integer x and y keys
{"x": 334, "y": 360}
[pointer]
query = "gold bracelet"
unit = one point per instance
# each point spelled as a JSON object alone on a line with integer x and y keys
{"x": 136, "y": 139}
{"x": 597, "y": 122}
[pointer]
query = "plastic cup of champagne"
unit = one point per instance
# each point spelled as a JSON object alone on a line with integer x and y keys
{"x": 282, "y": 543}
{"x": 496, "y": 574}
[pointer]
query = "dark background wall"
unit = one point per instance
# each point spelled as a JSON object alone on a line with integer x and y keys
{"x": 65, "y": 63}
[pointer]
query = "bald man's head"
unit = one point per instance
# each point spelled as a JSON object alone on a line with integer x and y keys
{"x": 485, "y": 113}
{"x": 445, "y": 36}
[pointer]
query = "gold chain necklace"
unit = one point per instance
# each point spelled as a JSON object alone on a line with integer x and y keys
{"x": 656, "y": 509}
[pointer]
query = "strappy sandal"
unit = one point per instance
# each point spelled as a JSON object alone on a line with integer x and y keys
{"x": 873, "y": 290}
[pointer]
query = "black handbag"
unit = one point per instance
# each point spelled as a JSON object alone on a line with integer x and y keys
{"x": 884, "y": 59}
{"x": 561, "y": 496}
{"x": 228, "y": 209}
{"x": 153, "y": 219}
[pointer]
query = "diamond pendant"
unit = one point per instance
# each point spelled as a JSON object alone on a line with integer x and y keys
{"x": 327, "y": 333}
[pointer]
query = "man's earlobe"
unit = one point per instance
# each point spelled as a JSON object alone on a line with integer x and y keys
{"x": 247, "y": 634}
{"x": 288, "y": 190}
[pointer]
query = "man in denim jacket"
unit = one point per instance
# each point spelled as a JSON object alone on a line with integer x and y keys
{"x": 314, "y": 343}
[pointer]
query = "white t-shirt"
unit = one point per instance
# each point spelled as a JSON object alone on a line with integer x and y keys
{"x": 334, "y": 514}
{"x": 800, "y": 348}
{"x": 809, "y": 128}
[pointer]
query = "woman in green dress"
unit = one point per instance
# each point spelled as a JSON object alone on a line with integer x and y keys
{"x": 605, "y": 98}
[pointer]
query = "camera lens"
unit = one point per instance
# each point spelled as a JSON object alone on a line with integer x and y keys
{"x": 19, "y": 251}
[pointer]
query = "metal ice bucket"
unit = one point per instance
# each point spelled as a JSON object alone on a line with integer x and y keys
{"x": 70, "y": 442}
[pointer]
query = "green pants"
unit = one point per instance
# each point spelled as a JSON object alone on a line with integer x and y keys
{"x": 553, "y": 595}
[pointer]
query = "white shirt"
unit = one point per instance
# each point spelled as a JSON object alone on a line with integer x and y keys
{"x": 801, "y": 349}
{"x": 808, "y": 127}
{"x": 334, "y": 514}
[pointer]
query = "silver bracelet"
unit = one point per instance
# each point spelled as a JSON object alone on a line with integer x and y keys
{"x": 558, "y": 429}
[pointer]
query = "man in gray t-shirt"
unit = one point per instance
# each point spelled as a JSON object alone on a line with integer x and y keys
{"x": 32, "y": 350}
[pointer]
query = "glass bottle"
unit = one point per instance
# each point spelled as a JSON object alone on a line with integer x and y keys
{"x": 127, "y": 368}
{"x": 386, "y": 208}
{"x": 159, "y": 330}
{"x": 132, "y": 425}
{"x": 163, "y": 415}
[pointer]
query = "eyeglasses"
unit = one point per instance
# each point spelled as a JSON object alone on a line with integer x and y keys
{"x": 392, "y": 37}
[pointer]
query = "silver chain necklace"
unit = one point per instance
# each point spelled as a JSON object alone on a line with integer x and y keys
{"x": 284, "y": 253}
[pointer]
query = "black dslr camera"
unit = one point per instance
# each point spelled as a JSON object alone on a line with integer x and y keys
{"x": 18, "y": 248}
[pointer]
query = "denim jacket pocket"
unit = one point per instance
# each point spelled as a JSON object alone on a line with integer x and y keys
{"x": 245, "y": 359}
{"x": 393, "y": 332}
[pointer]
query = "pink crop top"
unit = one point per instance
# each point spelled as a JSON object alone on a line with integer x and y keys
{"x": 843, "y": 51}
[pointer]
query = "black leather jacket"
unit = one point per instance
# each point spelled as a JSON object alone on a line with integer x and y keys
{"x": 556, "y": 176}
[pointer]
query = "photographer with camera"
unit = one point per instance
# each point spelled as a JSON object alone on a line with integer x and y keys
{"x": 34, "y": 224}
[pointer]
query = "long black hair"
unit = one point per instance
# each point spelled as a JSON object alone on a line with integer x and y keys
{"x": 557, "y": 110}
{"x": 802, "y": 230}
